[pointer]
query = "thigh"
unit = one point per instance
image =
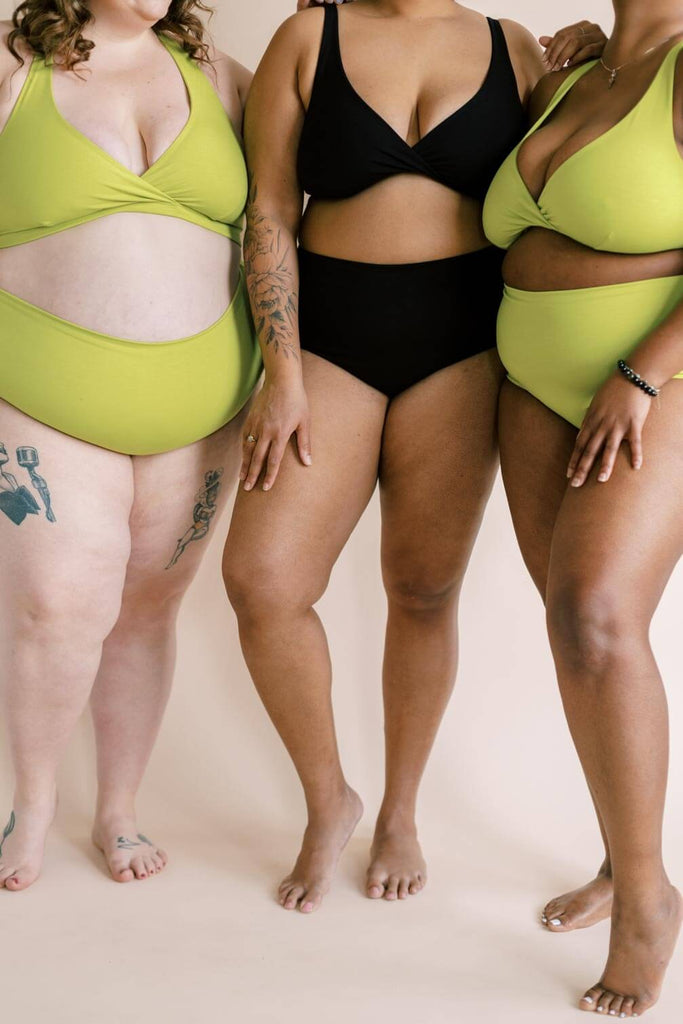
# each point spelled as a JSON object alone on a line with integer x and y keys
{"x": 535, "y": 447}
{"x": 179, "y": 496}
{"x": 439, "y": 458}
{"x": 64, "y": 508}
{"x": 616, "y": 544}
{"x": 297, "y": 530}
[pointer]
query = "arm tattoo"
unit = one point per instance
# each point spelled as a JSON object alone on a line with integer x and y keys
{"x": 9, "y": 828}
{"x": 16, "y": 501}
{"x": 270, "y": 280}
{"x": 202, "y": 514}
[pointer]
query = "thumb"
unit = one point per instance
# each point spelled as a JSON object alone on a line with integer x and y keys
{"x": 545, "y": 41}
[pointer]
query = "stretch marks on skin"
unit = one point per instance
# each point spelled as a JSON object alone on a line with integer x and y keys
{"x": 16, "y": 501}
{"x": 202, "y": 514}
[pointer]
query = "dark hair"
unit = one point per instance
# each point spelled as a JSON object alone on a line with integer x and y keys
{"x": 54, "y": 29}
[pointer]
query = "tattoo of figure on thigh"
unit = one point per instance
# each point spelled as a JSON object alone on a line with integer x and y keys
{"x": 269, "y": 279}
{"x": 9, "y": 828}
{"x": 202, "y": 513}
{"x": 16, "y": 501}
{"x": 124, "y": 843}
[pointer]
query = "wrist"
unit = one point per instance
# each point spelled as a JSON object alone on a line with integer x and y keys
{"x": 633, "y": 376}
{"x": 285, "y": 372}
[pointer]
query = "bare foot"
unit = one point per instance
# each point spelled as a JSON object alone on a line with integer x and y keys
{"x": 397, "y": 868}
{"x": 641, "y": 944}
{"x": 129, "y": 854}
{"x": 582, "y": 907}
{"x": 324, "y": 841}
{"x": 22, "y": 842}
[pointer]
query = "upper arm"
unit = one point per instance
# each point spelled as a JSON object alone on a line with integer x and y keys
{"x": 231, "y": 81}
{"x": 275, "y": 116}
{"x": 526, "y": 56}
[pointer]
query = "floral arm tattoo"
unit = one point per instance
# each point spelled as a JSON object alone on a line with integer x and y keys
{"x": 268, "y": 261}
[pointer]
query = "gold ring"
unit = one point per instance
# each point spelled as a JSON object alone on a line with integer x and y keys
{"x": 251, "y": 439}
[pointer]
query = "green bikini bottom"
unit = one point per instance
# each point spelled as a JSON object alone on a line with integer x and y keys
{"x": 138, "y": 398}
{"x": 561, "y": 346}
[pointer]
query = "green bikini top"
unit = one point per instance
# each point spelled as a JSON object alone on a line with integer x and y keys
{"x": 54, "y": 177}
{"x": 622, "y": 192}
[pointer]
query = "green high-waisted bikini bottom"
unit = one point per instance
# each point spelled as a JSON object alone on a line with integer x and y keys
{"x": 132, "y": 397}
{"x": 561, "y": 346}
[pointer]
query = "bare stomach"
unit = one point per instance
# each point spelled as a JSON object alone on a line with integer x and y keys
{"x": 405, "y": 219}
{"x": 130, "y": 275}
{"x": 543, "y": 260}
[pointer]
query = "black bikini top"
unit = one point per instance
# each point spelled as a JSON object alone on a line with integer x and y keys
{"x": 346, "y": 146}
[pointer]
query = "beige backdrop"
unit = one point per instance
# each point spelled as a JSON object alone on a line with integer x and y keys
{"x": 505, "y": 818}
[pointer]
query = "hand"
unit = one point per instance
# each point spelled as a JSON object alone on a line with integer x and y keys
{"x": 279, "y": 410}
{"x": 572, "y": 45}
{"x": 616, "y": 414}
{"x": 303, "y": 4}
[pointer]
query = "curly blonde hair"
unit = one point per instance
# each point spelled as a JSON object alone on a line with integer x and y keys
{"x": 53, "y": 29}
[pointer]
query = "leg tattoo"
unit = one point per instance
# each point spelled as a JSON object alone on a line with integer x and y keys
{"x": 202, "y": 514}
{"x": 16, "y": 501}
{"x": 9, "y": 828}
{"x": 28, "y": 458}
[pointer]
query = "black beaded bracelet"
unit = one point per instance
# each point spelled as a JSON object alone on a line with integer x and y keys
{"x": 636, "y": 379}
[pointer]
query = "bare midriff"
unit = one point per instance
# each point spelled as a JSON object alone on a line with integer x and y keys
{"x": 404, "y": 219}
{"x": 543, "y": 260}
{"x": 137, "y": 276}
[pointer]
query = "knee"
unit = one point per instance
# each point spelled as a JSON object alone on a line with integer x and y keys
{"x": 419, "y": 588}
{"x": 266, "y": 586}
{"x": 591, "y": 626}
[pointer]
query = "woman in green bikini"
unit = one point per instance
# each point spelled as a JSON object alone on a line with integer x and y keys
{"x": 590, "y": 208}
{"x": 126, "y": 354}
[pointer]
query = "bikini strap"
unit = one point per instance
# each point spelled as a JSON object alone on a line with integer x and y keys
{"x": 329, "y": 55}
{"x": 501, "y": 63}
{"x": 568, "y": 84}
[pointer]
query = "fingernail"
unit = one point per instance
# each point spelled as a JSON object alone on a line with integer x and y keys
{"x": 602, "y": 477}
{"x": 576, "y": 482}
{"x": 308, "y": 460}
{"x": 248, "y": 487}
{"x": 266, "y": 487}
{"x": 555, "y": 921}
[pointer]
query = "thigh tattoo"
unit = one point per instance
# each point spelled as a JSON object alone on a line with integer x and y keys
{"x": 202, "y": 513}
{"x": 16, "y": 501}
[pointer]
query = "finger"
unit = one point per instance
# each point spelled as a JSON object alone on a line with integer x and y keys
{"x": 556, "y": 43}
{"x": 582, "y": 439}
{"x": 587, "y": 53}
{"x": 589, "y": 456}
{"x": 257, "y": 462}
{"x": 247, "y": 451}
{"x": 609, "y": 455}
{"x": 571, "y": 36}
{"x": 303, "y": 441}
{"x": 635, "y": 441}
{"x": 545, "y": 41}
{"x": 277, "y": 450}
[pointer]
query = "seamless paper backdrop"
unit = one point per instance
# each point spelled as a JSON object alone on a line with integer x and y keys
{"x": 505, "y": 817}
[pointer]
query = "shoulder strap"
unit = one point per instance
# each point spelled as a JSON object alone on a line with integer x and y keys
{"x": 501, "y": 62}
{"x": 568, "y": 84}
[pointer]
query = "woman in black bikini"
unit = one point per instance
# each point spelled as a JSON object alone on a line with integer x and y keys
{"x": 380, "y": 341}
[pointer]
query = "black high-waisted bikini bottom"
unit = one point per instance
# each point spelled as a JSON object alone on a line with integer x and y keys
{"x": 392, "y": 325}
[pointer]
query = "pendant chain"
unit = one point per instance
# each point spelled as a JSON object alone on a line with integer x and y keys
{"x": 613, "y": 72}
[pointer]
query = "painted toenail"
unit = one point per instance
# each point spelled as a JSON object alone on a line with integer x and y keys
{"x": 544, "y": 919}
{"x": 600, "y": 1009}
{"x": 555, "y": 921}
{"x": 586, "y": 999}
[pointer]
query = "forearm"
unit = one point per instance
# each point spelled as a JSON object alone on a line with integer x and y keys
{"x": 660, "y": 356}
{"x": 272, "y": 276}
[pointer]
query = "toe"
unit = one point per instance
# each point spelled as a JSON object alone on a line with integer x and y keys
{"x": 375, "y": 887}
{"x": 627, "y": 1007}
{"x": 403, "y": 889}
{"x": 312, "y": 900}
{"x": 414, "y": 888}
{"x": 159, "y": 864}
{"x": 615, "y": 1006}
{"x": 556, "y": 923}
{"x": 137, "y": 865}
{"x": 591, "y": 998}
{"x": 163, "y": 857}
{"x": 392, "y": 888}
{"x": 150, "y": 866}
{"x": 293, "y": 897}
{"x": 604, "y": 1002}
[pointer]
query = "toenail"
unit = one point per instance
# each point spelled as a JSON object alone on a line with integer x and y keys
{"x": 613, "y": 1013}
{"x": 555, "y": 921}
{"x": 544, "y": 919}
{"x": 586, "y": 999}
{"x": 600, "y": 1009}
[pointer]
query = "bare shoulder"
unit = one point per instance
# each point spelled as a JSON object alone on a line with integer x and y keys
{"x": 525, "y": 55}
{"x": 297, "y": 34}
{"x": 546, "y": 89}
{"x": 231, "y": 80}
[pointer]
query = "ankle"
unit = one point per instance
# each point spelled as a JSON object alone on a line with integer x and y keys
{"x": 35, "y": 797}
{"x": 327, "y": 804}
{"x": 396, "y": 820}
{"x": 113, "y": 807}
